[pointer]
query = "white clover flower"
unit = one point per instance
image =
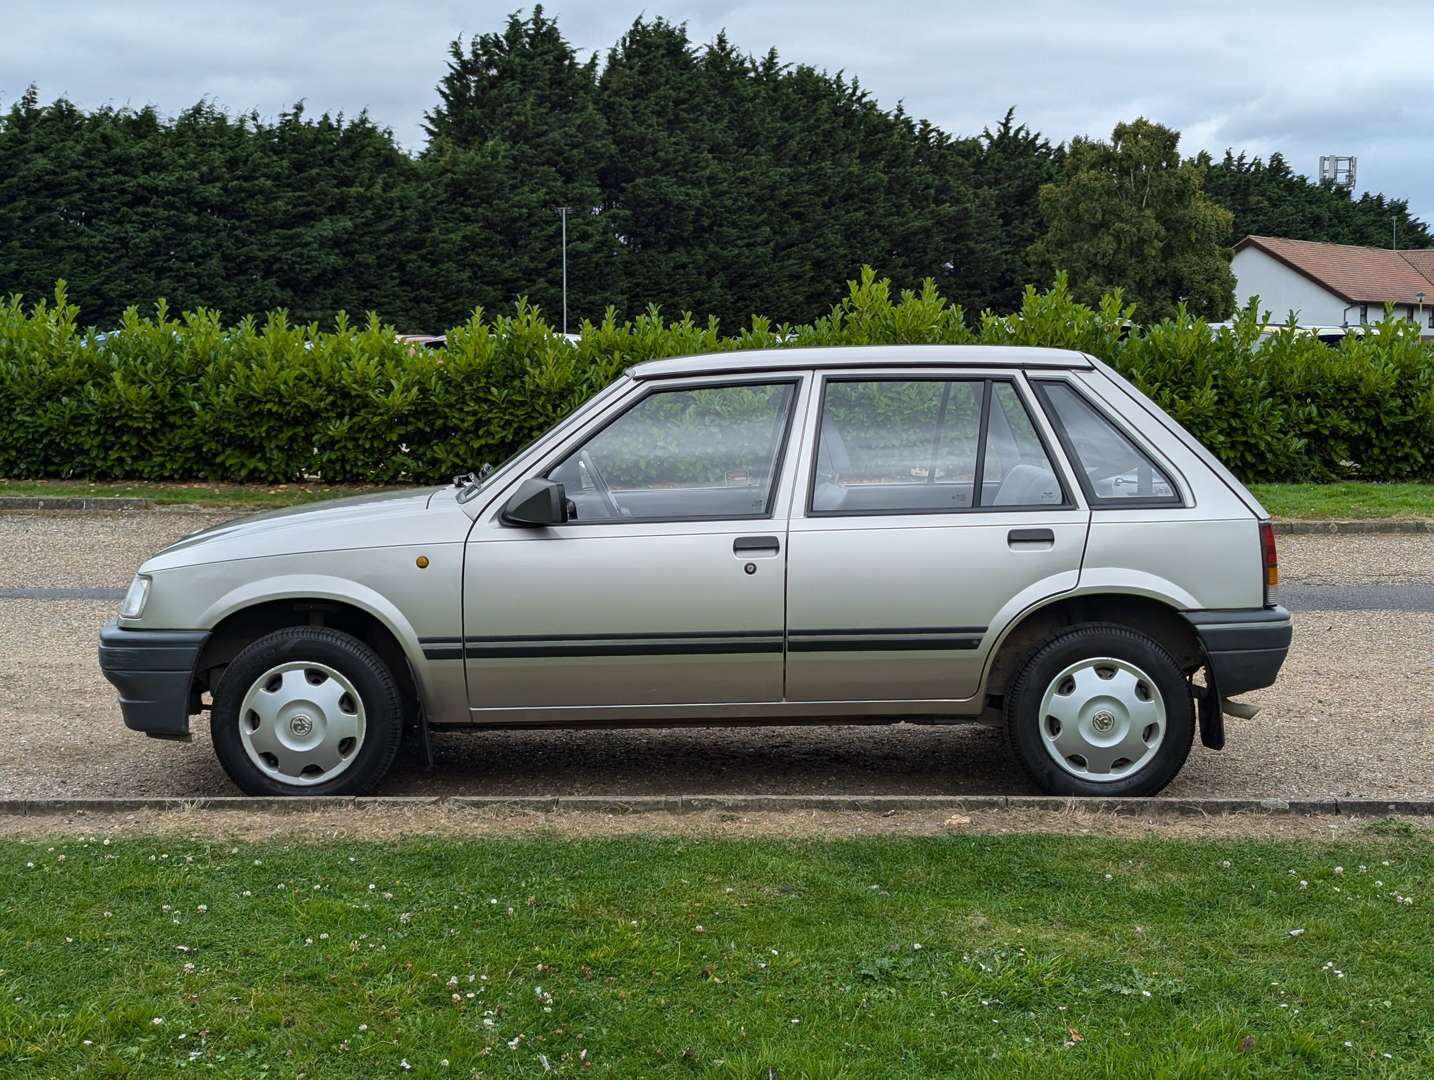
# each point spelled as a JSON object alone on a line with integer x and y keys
{"x": 202, "y": 908}
{"x": 157, "y": 1020}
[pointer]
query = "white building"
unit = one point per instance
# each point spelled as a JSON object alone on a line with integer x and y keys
{"x": 1334, "y": 284}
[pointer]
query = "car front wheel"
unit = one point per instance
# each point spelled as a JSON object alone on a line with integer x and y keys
{"x": 307, "y": 711}
{"x": 1101, "y": 710}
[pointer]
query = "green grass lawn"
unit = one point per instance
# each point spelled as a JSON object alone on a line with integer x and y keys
{"x": 910, "y": 957}
{"x": 243, "y": 496}
{"x": 1351, "y": 499}
{"x": 1344, "y": 500}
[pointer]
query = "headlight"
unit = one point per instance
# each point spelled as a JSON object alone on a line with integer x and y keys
{"x": 134, "y": 599}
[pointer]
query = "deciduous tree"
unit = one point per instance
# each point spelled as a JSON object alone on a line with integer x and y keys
{"x": 1131, "y": 214}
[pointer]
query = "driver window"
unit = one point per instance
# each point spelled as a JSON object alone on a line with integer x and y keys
{"x": 679, "y": 455}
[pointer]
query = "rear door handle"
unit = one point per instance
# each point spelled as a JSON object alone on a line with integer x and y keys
{"x": 756, "y": 545}
{"x": 1044, "y": 537}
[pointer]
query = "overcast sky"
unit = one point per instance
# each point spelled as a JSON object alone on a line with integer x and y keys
{"x": 1306, "y": 78}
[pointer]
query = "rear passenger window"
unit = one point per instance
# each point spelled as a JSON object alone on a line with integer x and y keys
{"x": 1017, "y": 471}
{"x": 1112, "y": 469}
{"x": 914, "y": 446}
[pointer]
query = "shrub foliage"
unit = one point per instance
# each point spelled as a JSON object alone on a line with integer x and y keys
{"x": 187, "y": 397}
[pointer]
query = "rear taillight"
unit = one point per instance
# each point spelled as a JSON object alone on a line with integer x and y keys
{"x": 1269, "y": 560}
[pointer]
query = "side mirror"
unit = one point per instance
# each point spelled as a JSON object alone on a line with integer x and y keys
{"x": 537, "y": 502}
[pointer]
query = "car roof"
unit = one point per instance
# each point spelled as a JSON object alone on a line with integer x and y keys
{"x": 860, "y": 356}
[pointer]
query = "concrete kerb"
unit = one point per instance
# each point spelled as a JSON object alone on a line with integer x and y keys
{"x": 736, "y": 804}
{"x": 1385, "y": 527}
{"x": 72, "y": 502}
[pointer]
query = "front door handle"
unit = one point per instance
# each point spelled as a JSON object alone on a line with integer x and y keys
{"x": 756, "y": 545}
{"x": 1020, "y": 537}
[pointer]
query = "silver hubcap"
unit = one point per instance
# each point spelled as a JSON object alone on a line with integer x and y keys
{"x": 1102, "y": 719}
{"x": 302, "y": 723}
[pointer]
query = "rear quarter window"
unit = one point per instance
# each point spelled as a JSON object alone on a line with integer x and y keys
{"x": 1111, "y": 468}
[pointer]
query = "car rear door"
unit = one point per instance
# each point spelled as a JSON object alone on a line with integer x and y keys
{"x": 666, "y": 590}
{"x": 934, "y": 511}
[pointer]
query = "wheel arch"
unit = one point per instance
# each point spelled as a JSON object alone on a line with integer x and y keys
{"x": 257, "y": 609}
{"x": 1157, "y": 617}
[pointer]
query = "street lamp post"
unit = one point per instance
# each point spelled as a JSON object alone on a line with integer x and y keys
{"x": 563, "y": 211}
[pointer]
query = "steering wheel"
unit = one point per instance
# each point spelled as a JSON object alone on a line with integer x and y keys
{"x": 599, "y": 484}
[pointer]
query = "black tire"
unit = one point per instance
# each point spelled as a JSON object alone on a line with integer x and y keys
{"x": 1098, "y": 640}
{"x": 346, "y": 654}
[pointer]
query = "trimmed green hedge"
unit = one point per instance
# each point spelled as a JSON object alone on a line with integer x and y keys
{"x": 188, "y": 398}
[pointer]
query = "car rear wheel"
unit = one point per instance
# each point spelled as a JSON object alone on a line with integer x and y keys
{"x": 1100, "y": 710}
{"x": 307, "y": 711}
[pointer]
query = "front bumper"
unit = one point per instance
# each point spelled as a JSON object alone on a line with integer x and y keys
{"x": 153, "y": 670}
{"x": 1245, "y": 647}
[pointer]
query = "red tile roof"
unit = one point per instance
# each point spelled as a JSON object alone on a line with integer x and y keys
{"x": 1355, "y": 273}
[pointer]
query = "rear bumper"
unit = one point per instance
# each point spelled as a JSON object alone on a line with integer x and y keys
{"x": 153, "y": 670}
{"x": 1245, "y": 647}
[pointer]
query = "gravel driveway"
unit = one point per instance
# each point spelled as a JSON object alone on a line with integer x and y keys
{"x": 1346, "y": 718}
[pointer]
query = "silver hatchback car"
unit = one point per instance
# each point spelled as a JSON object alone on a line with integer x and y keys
{"x": 926, "y": 534}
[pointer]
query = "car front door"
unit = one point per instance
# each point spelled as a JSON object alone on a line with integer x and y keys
{"x": 665, "y": 591}
{"x": 933, "y": 512}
